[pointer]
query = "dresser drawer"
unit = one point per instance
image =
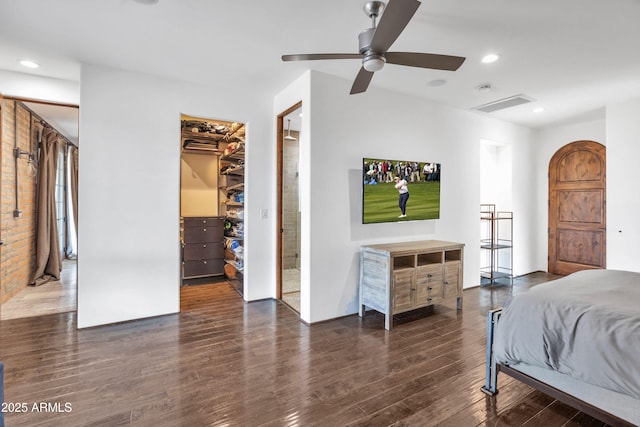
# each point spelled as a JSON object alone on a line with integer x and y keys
{"x": 203, "y": 267}
{"x": 198, "y": 251}
{"x": 204, "y": 234}
{"x": 203, "y": 221}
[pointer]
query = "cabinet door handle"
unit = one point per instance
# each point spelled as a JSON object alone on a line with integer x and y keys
{"x": 204, "y": 229}
{"x": 446, "y": 283}
{"x": 204, "y": 262}
{"x": 429, "y": 275}
{"x": 429, "y": 299}
{"x": 204, "y": 246}
{"x": 430, "y": 288}
{"x": 413, "y": 289}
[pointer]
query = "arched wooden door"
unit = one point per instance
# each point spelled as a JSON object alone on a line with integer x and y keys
{"x": 577, "y": 208}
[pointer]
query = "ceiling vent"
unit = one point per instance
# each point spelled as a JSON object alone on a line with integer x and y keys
{"x": 501, "y": 104}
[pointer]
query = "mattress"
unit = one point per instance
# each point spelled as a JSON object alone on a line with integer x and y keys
{"x": 585, "y": 325}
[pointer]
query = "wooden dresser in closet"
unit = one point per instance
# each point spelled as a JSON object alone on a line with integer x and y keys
{"x": 203, "y": 247}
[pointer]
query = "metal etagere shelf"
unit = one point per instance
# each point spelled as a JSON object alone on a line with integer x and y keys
{"x": 496, "y": 245}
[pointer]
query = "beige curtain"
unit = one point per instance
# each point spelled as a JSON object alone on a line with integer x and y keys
{"x": 73, "y": 159}
{"x": 48, "y": 260}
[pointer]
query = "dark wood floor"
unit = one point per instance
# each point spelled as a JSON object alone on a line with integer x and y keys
{"x": 225, "y": 362}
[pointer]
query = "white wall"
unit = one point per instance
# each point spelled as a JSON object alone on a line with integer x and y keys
{"x": 623, "y": 175}
{"x": 129, "y": 265}
{"x": 549, "y": 141}
{"x": 383, "y": 124}
{"x": 25, "y": 85}
{"x": 129, "y": 253}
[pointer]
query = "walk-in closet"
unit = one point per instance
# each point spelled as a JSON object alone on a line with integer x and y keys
{"x": 212, "y": 201}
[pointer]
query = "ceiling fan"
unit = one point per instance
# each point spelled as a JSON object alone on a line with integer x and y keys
{"x": 375, "y": 41}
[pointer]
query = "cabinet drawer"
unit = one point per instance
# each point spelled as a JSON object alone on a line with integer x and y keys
{"x": 203, "y": 267}
{"x": 203, "y": 234}
{"x": 198, "y": 251}
{"x": 203, "y": 221}
{"x": 429, "y": 284}
{"x": 427, "y": 294}
{"x": 429, "y": 274}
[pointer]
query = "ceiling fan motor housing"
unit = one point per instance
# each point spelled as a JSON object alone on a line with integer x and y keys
{"x": 364, "y": 40}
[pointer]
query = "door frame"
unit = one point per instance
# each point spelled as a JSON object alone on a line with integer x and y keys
{"x": 280, "y": 183}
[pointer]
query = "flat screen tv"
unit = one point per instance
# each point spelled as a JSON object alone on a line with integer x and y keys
{"x": 399, "y": 190}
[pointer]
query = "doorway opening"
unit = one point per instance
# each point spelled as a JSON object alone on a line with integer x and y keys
{"x": 39, "y": 237}
{"x": 288, "y": 241}
{"x": 212, "y": 202}
{"x": 496, "y": 216}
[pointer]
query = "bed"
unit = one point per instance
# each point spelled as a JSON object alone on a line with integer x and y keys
{"x": 577, "y": 339}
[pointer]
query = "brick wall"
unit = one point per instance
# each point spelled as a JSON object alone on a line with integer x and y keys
{"x": 17, "y": 254}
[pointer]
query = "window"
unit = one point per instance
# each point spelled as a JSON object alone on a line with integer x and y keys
{"x": 60, "y": 202}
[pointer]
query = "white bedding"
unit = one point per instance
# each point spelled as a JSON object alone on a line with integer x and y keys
{"x": 586, "y": 325}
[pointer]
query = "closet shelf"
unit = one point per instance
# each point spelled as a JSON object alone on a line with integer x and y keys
{"x": 202, "y": 136}
{"x": 237, "y": 155}
{"x": 233, "y": 171}
{"x": 235, "y": 187}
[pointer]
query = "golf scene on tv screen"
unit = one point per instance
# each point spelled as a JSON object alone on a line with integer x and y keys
{"x": 399, "y": 190}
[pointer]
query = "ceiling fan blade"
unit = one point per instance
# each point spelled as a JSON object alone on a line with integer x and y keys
{"x": 425, "y": 60}
{"x": 361, "y": 83}
{"x": 315, "y": 56}
{"x": 395, "y": 18}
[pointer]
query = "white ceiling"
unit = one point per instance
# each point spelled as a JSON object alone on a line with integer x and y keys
{"x": 572, "y": 56}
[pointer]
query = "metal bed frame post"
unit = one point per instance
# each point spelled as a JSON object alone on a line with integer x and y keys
{"x": 491, "y": 380}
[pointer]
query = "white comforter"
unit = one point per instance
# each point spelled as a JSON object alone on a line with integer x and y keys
{"x": 586, "y": 325}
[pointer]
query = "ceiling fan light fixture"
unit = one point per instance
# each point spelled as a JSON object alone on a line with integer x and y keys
{"x": 437, "y": 83}
{"x": 373, "y": 63}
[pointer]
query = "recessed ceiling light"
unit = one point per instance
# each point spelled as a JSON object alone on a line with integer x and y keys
{"x": 492, "y": 57}
{"x": 29, "y": 63}
{"x": 437, "y": 82}
{"x": 538, "y": 110}
{"x": 485, "y": 87}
